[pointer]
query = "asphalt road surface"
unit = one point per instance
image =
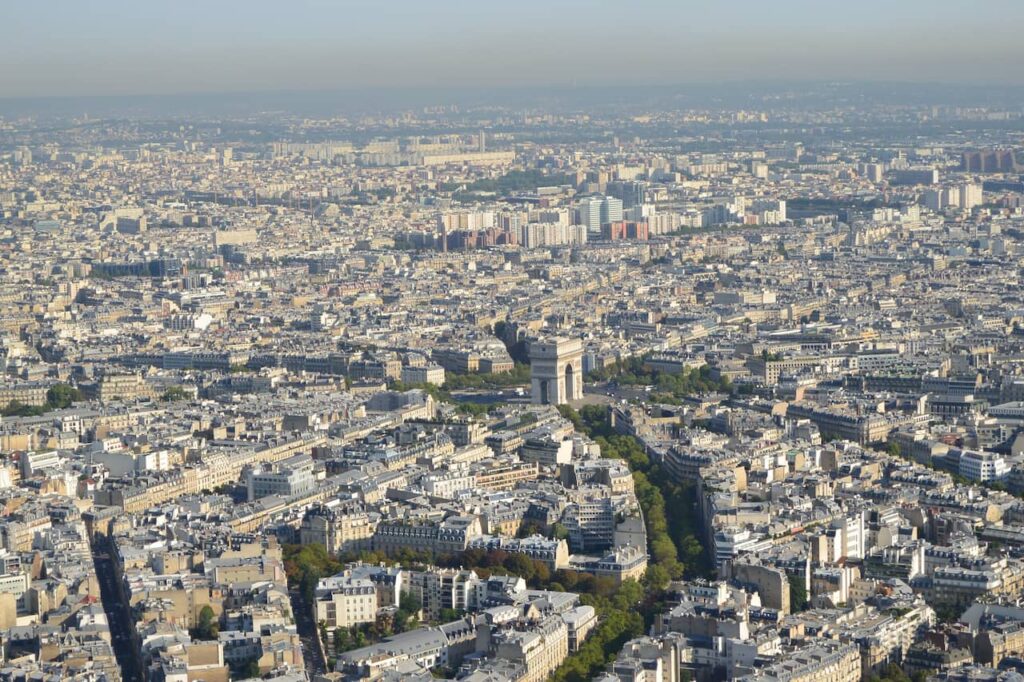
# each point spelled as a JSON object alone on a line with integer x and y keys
{"x": 122, "y": 626}
{"x": 315, "y": 665}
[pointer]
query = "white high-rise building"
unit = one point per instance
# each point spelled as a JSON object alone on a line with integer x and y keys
{"x": 611, "y": 210}
{"x": 588, "y": 212}
{"x": 596, "y": 211}
{"x": 971, "y": 195}
{"x": 852, "y": 536}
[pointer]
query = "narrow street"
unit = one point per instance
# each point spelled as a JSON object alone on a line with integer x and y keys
{"x": 122, "y": 627}
{"x": 315, "y": 664}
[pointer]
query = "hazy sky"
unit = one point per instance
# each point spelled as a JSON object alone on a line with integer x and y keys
{"x": 100, "y": 47}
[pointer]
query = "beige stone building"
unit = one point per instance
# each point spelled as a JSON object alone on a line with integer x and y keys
{"x": 540, "y": 650}
{"x": 342, "y": 601}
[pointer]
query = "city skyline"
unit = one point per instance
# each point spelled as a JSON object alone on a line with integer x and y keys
{"x": 540, "y": 342}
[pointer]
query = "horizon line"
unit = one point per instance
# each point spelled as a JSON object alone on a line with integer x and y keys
{"x": 567, "y": 87}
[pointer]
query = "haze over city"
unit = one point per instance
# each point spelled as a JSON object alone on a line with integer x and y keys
{"x": 416, "y": 341}
{"x": 122, "y": 47}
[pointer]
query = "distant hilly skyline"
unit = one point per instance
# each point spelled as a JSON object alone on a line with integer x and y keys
{"x": 610, "y": 98}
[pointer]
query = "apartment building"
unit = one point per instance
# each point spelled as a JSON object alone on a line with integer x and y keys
{"x": 439, "y": 589}
{"x": 342, "y": 601}
{"x": 540, "y": 649}
{"x": 824, "y": 662}
{"x": 337, "y": 529}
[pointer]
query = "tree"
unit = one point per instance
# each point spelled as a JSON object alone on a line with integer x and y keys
{"x": 797, "y": 594}
{"x": 571, "y": 415}
{"x": 617, "y": 627}
{"x": 893, "y": 673}
{"x": 407, "y": 615}
{"x": 340, "y": 639}
{"x": 384, "y": 625}
{"x": 250, "y": 670}
{"x": 629, "y": 595}
{"x": 207, "y": 627}
{"x": 473, "y": 409}
{"x": 410, "y": 603}
{"x": 18, "y": 409}
{"x": 521, "y": 565}
{"x": 448, "y": 615}
{"x": 321, "y": 627}
{"x": 305, "y": 564}
{"x": 173, "y": 393}
{"x": 308, "y": 583}
{"x": 657, "y": 577}
{"x": 691, "y": 550}
{"x": 62, "y": 395}
{"x": 947, "y": 613}
{"x": 519, "y": 376}
{"x": 595, "y": 418}
{"x": 528, "y": 528}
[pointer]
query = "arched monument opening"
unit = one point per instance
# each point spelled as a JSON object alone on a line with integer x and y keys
{"x": 556, "y": 370}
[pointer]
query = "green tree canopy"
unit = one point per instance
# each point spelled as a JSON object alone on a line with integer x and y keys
{"x": 62, "y": 395}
